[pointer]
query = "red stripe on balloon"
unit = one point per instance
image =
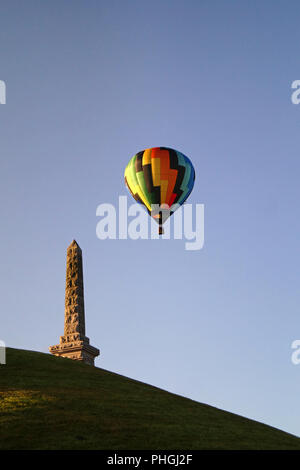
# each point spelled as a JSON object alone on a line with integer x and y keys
{"x": 172, "y": 199}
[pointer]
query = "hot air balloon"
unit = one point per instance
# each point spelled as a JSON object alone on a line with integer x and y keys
{"x": 161, "y": 176}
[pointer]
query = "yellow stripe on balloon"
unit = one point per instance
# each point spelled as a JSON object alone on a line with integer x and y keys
{"x": 155, "y": 165}
{"x": 147, "y": 157}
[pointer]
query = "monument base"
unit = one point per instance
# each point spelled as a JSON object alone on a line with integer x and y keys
{"x": 76, "y": 350}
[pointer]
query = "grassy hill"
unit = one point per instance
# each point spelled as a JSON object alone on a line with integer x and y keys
{"x": 54, "y": 403}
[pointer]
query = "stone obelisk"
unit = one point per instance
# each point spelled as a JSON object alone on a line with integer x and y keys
{"x": 74, "y": 344}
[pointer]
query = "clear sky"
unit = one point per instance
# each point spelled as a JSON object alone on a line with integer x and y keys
{"x": 89, "y": 84}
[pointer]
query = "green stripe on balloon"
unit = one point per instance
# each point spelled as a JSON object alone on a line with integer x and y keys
{"x": 142, "y": 185}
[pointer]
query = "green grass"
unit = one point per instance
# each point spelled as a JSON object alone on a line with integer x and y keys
{"x": 48, "y": 402}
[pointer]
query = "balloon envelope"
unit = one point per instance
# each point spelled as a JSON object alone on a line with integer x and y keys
{"x": 161, "y": 176}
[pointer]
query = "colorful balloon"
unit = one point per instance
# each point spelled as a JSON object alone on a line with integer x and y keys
{"x": 160, "y": 176}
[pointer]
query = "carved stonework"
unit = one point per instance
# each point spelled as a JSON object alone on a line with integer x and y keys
{"x": 74, "y": 344}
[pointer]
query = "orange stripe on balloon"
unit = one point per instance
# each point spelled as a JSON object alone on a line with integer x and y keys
{"x": 156, "y": 152}
{"x": 160, "y": 165}
{"x": 172, "y": 180}
{"x": 164, "y": 162}
{"x": 163, "y": 191}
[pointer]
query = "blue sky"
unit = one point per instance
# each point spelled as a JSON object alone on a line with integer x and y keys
{"x": 89, "y": 84}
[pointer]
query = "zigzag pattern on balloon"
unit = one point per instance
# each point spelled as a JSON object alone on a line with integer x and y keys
{"x": 160, "y": 175}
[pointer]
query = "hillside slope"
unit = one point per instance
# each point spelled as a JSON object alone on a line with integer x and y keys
{"x": 54, "y": 403}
